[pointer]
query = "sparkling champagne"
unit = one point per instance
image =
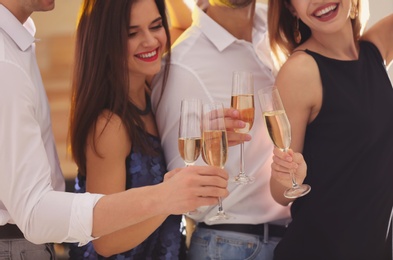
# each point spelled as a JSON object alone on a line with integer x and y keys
{"x": 245, "y": 105}
{"x": 189, "y": 149}
{"x": 278, "y": 128}
{"x": 214, "y": 147}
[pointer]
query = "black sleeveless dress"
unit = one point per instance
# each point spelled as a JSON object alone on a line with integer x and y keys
{"x": 164, "y": 243}
{"x": 349, "y": 152}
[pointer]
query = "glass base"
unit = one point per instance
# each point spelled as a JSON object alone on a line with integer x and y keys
{"x": 298, "y": 191}
{"x": 243, "y": 179}
{"x": 221, "y": 215}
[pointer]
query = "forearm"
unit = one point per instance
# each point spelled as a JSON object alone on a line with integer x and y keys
{"x": 127, "y": 238}
{"x": 186, "y": 190}
{"x": 277, "y": 190}
{"x": 143, "y": 204}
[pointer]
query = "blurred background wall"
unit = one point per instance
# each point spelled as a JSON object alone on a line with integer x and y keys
{"x": 62, "y": 20}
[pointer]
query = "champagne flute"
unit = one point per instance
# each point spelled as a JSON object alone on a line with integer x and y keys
{"x": 190, "y": 133}
{"x": 279, "y": 129}
{"x": 214, "y": 144}
{"x": 243, "y": 100}
{"x": 189, "y": 142}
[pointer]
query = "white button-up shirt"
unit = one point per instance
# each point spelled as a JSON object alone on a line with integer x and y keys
{"x": 202, "y": 62}
{"x": 31, "y": 182}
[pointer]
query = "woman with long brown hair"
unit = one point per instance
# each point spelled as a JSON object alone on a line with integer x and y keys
{"x": 114, "y": 140}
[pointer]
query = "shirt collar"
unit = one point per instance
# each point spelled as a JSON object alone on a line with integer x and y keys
{"x": 22, "y": 35}
{"x": 220, "y": 37}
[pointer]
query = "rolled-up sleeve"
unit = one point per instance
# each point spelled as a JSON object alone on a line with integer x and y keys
{"x": 31, "y": 182}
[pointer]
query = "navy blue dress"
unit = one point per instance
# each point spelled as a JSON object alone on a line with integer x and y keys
{"x": 164, "y": 242}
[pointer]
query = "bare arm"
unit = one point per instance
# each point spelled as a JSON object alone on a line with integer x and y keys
{"x": 301, "y": 93}
{"x": 106, "y": 174}
{"x": 381, "y": 34}
{"x": 179, "y": 16}
{"x": 187, "y": 190}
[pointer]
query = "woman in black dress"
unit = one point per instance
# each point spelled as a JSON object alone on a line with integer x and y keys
{"x": 339, "y": 101}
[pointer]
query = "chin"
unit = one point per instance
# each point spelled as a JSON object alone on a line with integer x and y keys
{"x": 156, "y": 69}
{"x": 48, "y": 5}
{"x": 151, "y": 74}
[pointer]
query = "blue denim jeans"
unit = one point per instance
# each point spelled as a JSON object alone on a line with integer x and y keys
{"x": 21, "y": 249}
{"x": 208, "y": 244}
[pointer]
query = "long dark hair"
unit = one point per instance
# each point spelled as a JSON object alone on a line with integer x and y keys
{"x": 101, "y": 80}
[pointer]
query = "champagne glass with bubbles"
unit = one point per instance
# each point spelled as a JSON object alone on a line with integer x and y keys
{"x": 190, "y": 134}
{"x": 243, "y": 100}
{"x": 279, "y": 130}
{"x": 214, "y": 144}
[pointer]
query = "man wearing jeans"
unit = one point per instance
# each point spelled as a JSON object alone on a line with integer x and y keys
{"x": 229, "y": 35}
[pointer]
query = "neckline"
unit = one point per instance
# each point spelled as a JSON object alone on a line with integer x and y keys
{"x": 338, "y": 60}
{"x": 147, "y": 109}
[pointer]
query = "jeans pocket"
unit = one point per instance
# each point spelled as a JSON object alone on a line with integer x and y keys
{"x": 44, "y": 253}
{"x": 199, "y": 247}
{"x": 229, "y": 247}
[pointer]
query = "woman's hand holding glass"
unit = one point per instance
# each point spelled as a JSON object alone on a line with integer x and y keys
{"x": 279, "y": 130}
{"x": 286, "y": 163}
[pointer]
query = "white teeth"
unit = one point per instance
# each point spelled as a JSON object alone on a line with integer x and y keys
{"x": 325, "y": 10}
{"x": 148, "y": 55}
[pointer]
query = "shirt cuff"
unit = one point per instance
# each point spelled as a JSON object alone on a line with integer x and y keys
{"x": 81, "y": 223}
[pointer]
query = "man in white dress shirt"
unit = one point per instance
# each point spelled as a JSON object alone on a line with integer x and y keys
{"x": 229, "y": 35}
{"x": 34, "y": 209}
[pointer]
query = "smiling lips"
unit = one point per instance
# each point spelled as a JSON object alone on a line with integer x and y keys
{"x": 326, "y": 12}
{"x": 148, "y": 56}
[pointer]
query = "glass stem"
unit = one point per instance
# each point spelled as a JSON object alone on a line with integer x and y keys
{"x": 294, "y": 183}
{"x": 293, "y": 177}
{"x": 241, "y": 173}
{"x": 220, "y": 208}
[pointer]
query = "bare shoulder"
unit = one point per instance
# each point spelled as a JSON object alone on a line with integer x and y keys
{"x": 110, "y": 134}
{"x": 300, "y": 72}
{"x": 300, "y": 85}
{"x": 108, "y": 123}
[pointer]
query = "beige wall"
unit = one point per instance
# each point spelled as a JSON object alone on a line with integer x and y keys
{"x": 62, "y": 20}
